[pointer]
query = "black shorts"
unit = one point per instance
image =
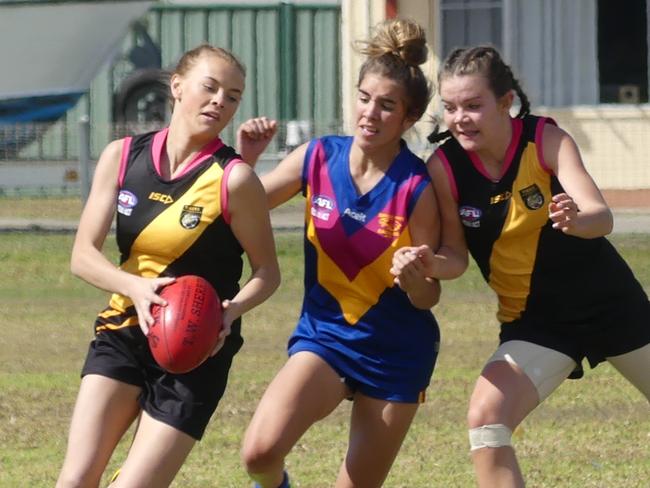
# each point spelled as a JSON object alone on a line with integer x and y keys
{"x": 184, "y": 401}
{"x": 612, "y": 332}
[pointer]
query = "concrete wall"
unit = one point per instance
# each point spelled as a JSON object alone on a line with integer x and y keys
{"x": 614, "y": 141}
{"x": 357, "y": 19}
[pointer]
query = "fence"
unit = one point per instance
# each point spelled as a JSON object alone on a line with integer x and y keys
{"x": 613, "y": 141}
{"x": 26, "y": 169}
{"x": 291, "y": 53}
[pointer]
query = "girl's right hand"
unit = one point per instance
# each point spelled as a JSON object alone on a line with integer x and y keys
{"x": 413, "y": 258}
{"x": 253, "y": 136}
{"x": 410, "y": 261}
{"x": 143, "y": 292}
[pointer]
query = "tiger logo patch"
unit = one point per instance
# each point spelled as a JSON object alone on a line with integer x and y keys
{"x": 191, "y": 216}
{"x": 532, "y": 197}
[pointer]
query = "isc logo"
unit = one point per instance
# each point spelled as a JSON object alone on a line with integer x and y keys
{"x": 161, "y": 197}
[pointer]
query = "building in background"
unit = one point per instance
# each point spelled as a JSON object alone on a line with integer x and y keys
{"x": 582, "y": 62}
{"x": 291, "y": 51}
{"x": 51, "y": 52}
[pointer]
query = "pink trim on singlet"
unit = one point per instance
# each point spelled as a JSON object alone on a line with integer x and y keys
{"x": 158, "y": 146}
{"x": 517, "y": 128}
{"x": 224, "y": 189}
{"x": 126, "y": 146}
{"x": 450, "y": 174}
{"x": 539, "y": 132}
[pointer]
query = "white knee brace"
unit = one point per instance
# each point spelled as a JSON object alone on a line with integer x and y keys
{"x": 492, "y": 435}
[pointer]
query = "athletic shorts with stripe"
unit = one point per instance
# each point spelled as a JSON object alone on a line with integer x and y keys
{"x": 184, "y": 401}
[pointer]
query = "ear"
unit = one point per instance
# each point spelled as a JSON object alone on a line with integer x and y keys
{"x": 505, "y": 102}
{"x": 175, "y": 85}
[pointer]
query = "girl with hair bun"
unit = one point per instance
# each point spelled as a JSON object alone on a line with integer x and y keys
{"x": 516, "y": 193}
{"x": 361, "y": 335}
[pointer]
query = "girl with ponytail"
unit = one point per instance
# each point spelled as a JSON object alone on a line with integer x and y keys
{"x": 360, "y": 336}
{"x": 514, "y": 191}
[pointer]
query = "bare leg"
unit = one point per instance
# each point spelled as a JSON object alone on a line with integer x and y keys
{"x": 304, "y": 391}
{"x": 104, "y": 410}
{"x": 518, "y": 377}
{"x": 635, "y": 367}
{"x": 156, "y": 455}
{"x": 377, "y": 430}
{"x": 503, "y": 395}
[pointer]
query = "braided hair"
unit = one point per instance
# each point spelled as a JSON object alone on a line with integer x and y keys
{"x": 485, "y": 61}
{"x": 396, "y": 51}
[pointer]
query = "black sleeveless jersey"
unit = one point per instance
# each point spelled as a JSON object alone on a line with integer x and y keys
{"x": 175, "y": 227}
{"x": 537, "y": 271}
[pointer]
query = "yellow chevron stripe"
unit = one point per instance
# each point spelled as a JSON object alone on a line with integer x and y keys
{"x": 164, "y": 240}
{"x": 356, "y": 297}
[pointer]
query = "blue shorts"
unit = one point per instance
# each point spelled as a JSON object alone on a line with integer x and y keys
{"x": 356, "y": 380}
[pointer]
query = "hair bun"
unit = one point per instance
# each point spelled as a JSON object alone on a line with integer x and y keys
{"x": 403, "y": 38}
{"x": 414, "y": 52}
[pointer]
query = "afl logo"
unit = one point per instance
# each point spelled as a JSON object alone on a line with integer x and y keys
{"x": 470, "y": 216}
{"x": 125, "y": 202}
{"x": 191, "y": 216}
{"x": 322, "y": 206}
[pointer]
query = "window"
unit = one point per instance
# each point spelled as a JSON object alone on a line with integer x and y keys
{"x": 565, "y": 52}
{"x": 623, "y": 51}
{"x": 471, "y": 22}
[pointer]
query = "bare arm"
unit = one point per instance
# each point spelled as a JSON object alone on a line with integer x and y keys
{"x": 251, "y": 225}
{"x": 581, "y": 211}
{"x": 450, "y": 260}
{"x": 88, "y": 262}
{"x": 408, "y": 269}
{"x": 285, "y": 180}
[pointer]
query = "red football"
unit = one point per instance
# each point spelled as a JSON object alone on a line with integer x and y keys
{"x": 186, "y": 330}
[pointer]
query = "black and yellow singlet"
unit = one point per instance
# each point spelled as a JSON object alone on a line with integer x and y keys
{"x": 173, "y": 227}
{"x": 537, "y": 272}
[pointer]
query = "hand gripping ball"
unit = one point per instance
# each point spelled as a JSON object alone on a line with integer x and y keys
{"x": 186, "y": 330}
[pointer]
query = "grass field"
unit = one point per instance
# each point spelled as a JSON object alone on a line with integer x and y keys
{"x": 60, "y": 208}
{"x": 592, "y": 433}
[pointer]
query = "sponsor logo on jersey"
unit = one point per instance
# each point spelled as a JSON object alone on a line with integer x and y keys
{"x": 532, "y": 197}
{"x": 501, "y": 197}
{"x": 191, "y": 216}
{"x": 161, "y": 197}
{"x": 353, "y": 214}
{"x": 125, "y": 202}
{"x": 390, "y": 225}
{"x": 470, "y": 216}
{"x": 322, "y": 207}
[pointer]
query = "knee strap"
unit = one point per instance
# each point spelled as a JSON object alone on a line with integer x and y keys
{"x": 492, "y": 435}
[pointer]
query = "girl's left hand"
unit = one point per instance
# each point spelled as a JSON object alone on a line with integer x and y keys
{"x": 563, "y": 211}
